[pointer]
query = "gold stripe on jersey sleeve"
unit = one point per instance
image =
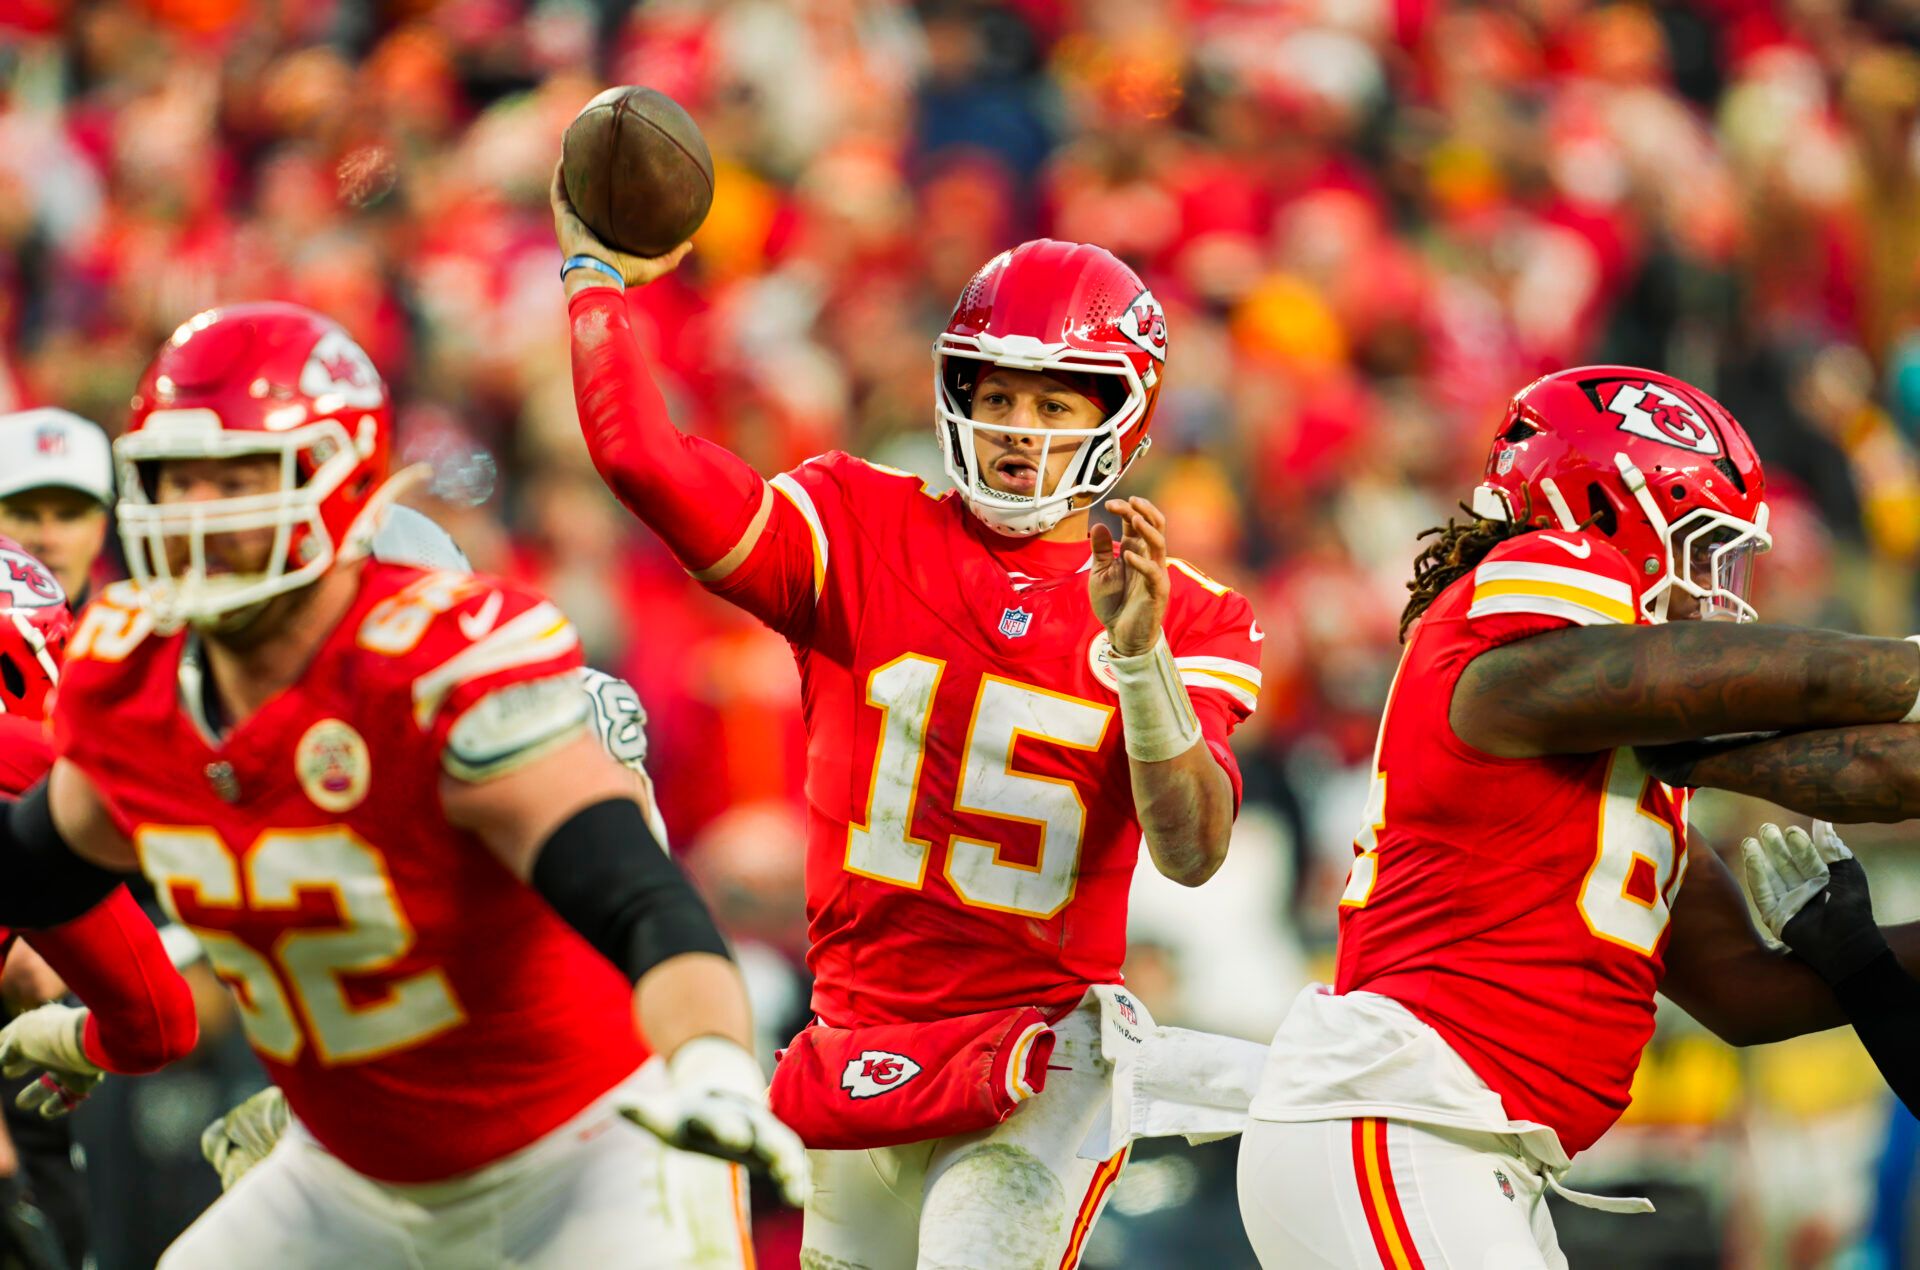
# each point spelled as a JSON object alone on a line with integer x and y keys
{"x": 1605, "y": 606}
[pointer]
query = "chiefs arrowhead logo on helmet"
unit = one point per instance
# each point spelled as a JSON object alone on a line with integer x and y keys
{"x": 28, "y": 582}
{"x": 877, "y": 1072}
{"x": 339, "y": 367}
{"x": 1658, "y": 413}
{"x": 1145, "y": 323}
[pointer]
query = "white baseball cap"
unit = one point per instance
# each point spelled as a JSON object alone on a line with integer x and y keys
{"x": 54, "y": 448}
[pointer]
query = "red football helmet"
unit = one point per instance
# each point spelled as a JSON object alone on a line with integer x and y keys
{"x": 1061, "y": 307}
{"x": 1653, "y": 463}
{"x": 250, "y": 379}
{"x": 34, "y": 625}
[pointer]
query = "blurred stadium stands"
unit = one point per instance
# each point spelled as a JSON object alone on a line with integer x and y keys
{"x": 1370, "y": 221}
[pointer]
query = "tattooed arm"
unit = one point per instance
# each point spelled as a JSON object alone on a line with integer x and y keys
{"x": 1848, "y": 774}
{"x": 1590, "y": 688}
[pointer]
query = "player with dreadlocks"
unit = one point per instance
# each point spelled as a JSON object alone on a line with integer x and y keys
{"x": 1515, "y": 896}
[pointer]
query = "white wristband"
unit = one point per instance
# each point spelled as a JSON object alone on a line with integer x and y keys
{"x": 715, "y": 1063}
{"x": 1156, "y": 714}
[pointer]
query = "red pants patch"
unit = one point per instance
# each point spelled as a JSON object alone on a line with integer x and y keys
{"x": 849, "y": 1089}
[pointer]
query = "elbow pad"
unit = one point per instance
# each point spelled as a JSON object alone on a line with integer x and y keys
{"x": 607, "y": 876}
{"x": 45, "y": 883}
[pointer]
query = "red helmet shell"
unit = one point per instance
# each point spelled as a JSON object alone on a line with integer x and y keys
{"x": 269, "y": 367}
{"x": 1558, "y": 454}
{"x": 264, "y": 378}
{"x": 1053, "y": 306}
{"x": 34, "y": 625}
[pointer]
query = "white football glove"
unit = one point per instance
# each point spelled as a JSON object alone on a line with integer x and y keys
{"x": 49, "y": 1037}
{"x": 718, "y": 1107}
{"x": 1786, "y": 869}
{"x": 241, "y": 1139}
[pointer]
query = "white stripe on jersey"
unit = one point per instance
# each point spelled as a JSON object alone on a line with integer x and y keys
{"x": 1536, "y": 571}
{"x": 1545, "y": 605}
{"x": 796, "y": 493}
{"x": 537, "y": 635}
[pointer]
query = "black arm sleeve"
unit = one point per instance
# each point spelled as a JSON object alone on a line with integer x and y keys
{"x": 606, "y": 875}
{"x": 42, "y": 882}
{"x": 1883, "y": 1001}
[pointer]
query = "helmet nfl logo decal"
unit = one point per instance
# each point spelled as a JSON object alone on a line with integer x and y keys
{"x": 1659, "y": 414}
{"x": 877, "y": 1072}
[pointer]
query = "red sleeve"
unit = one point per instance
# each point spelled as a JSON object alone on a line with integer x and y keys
{"x": 697, "y": 496}
{"x": 1545, "y": 581}
{"x": 26, "y": 753}
{"x": 1216, "y": 647}
{"x": 486, "y": 638}
{"x": 141, "y": 1009}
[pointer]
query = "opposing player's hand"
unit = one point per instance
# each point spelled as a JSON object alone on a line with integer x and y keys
{"x": 1129, "y": 590}
{"x": 718, "y": 1106}
{"x": 1812, "y": 894}
{"x": 50, "y": 1038}
{"x": 241, "y": 1139}
{"x": 577, "y": 240}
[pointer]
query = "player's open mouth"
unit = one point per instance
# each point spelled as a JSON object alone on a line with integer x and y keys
{"x": 1018, "y": 475}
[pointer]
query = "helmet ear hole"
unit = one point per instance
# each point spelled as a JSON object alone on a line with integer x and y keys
{"x": 10, "y": 676}
{"x": 1601, "y": 510}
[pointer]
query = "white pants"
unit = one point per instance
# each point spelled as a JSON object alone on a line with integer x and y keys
{"x": 1013, "y": 1197}
{"x": 1345, "y": 1193}
{"x": 597, "y": 1193}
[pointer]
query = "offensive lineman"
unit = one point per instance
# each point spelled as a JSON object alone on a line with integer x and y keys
{"x": 999, "y": 707}
{"x": 369, "y": 791}
{"x": 1515, "y": 899}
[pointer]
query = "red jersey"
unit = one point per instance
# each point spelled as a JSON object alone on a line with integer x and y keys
{"x": 425, "y": 1012}
{"x": 972, "y": 831}
{"x": 1517, "y": 906}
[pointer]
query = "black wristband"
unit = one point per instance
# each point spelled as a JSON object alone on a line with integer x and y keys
{"x": 46, "y": 883}
{"x": 605, "y": 874}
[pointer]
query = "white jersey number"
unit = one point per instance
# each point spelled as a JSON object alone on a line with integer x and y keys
{"x": 883, "y": 847}
{"x": 1638, "y": 863}
{"x": 311, "y": 962}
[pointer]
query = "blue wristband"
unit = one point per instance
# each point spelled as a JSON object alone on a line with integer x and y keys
{"x": 592, "y": 262}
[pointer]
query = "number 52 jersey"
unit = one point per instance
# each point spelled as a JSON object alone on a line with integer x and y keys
{"x": 425, "y": 1012}
{"x": 972, "y": 833}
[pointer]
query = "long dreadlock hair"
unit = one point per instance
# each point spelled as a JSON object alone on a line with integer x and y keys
{"x": 1454, "y": 554}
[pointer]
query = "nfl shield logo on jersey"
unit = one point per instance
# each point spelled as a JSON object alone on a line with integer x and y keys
{"x": 1014, "y": 622}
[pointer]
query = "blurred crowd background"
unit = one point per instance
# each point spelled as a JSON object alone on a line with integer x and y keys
{"x": 1370, "y": 222}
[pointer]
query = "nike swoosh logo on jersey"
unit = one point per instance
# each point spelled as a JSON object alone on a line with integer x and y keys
{"x": 1255, "y": 634}
{"x": 1578, "y": 550}
{"x": 474, "y": 625}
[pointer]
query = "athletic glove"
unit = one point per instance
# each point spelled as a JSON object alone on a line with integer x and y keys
{"x": 1813, "y": 895}
{"x": 718, "y": 1107}
{"x": 241, "y": 1139}
{"x": 50, "y": 1037}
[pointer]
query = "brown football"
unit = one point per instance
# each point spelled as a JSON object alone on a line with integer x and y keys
{"x": 638, "y": 170}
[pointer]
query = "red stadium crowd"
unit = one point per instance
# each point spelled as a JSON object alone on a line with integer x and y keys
{"x": 1370, "y": 222}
